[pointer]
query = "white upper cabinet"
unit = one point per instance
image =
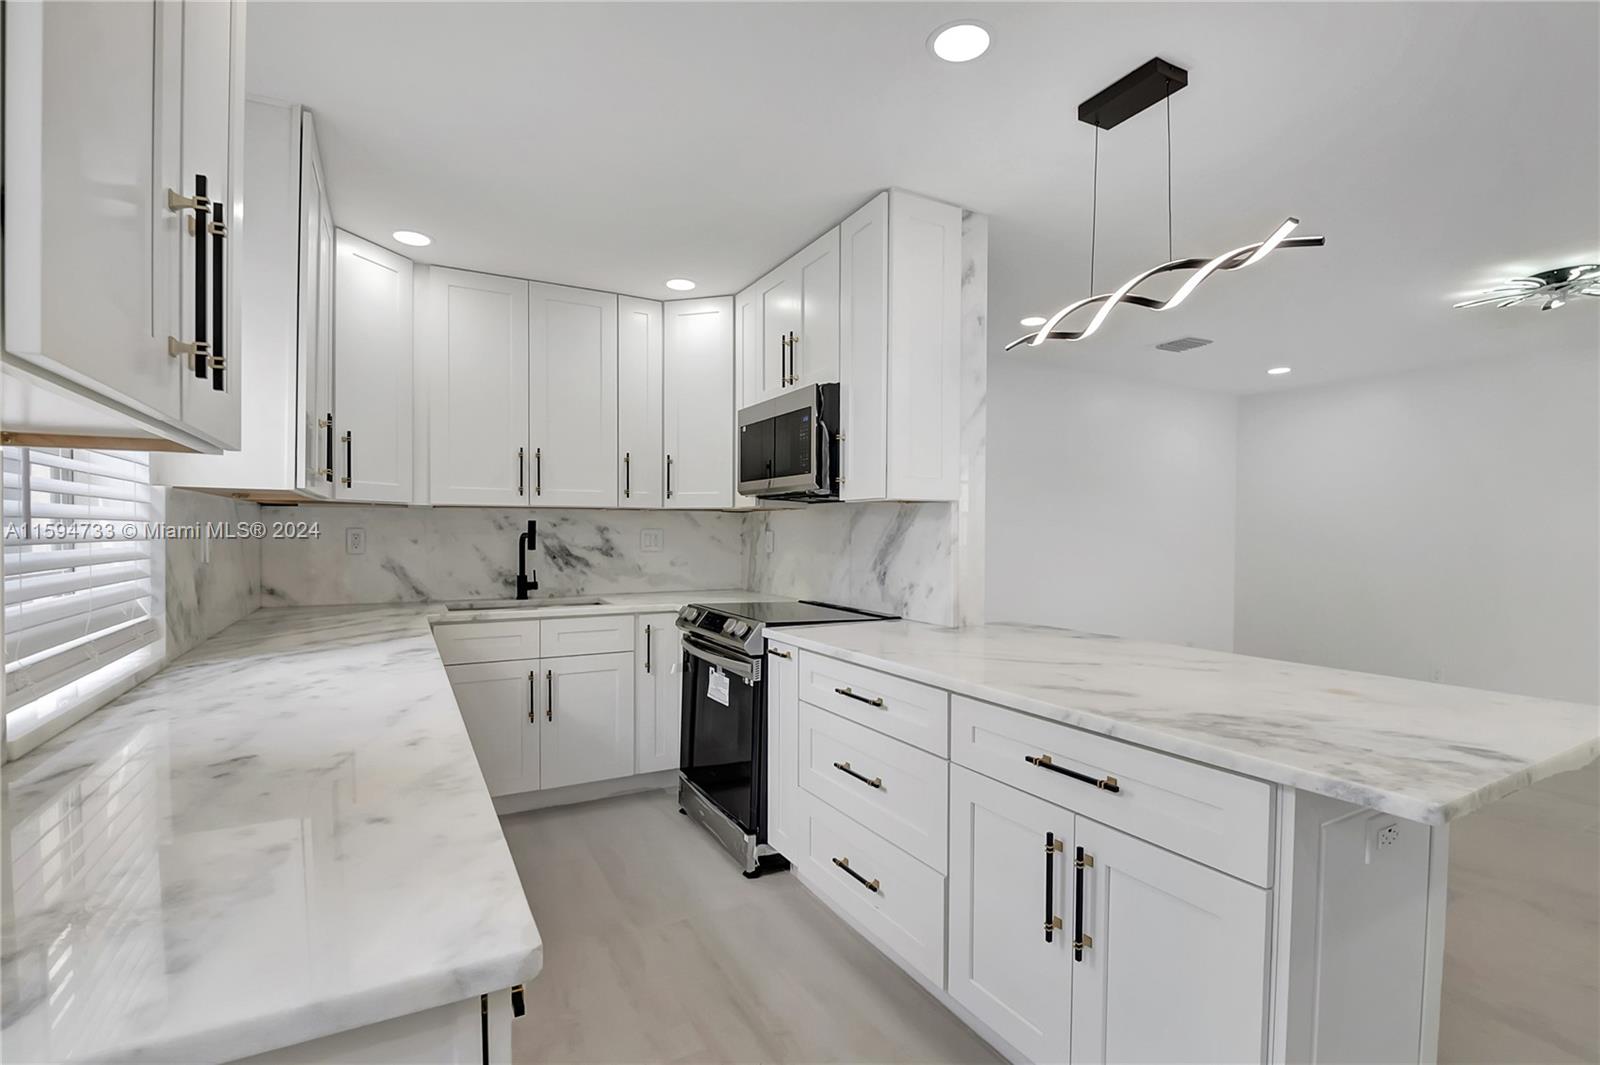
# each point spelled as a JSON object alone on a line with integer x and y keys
{"x": 746, "y": 334}
{"x": 795, "y": 324}
{"x": 473, "y": 331}
{"x": 699, "y": 413}
{"x": 111, "y": 293}
{"x": 641, "y": 471}
{"x": 372, "y": 372}
{"x": 900, "y": 355}
{"x": 572, "y": 359}
{"x": 315, "y": 355}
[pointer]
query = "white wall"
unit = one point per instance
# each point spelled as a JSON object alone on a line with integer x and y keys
{"x": 1443, "y": 524}
{"x": 1111, "y": 504}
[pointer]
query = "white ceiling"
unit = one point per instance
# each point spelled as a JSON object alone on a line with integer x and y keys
{"x": 1438, "y": 146}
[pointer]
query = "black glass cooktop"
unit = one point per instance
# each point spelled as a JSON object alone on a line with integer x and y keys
{"x": 801, "y": 613}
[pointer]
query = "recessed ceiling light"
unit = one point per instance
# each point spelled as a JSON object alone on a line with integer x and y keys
{"x": 1033, "y": 321}
{"x": 959, "y": 42}
{"x": 1279, "y": 370}
{"x": 413, "y": 238}
{"x": 680, "y": 284}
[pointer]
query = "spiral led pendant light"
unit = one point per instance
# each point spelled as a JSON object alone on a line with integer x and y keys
{"x": 1151, "y": 83}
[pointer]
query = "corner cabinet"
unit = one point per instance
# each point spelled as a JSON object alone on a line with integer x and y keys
{"x": 698, "y": 413}
{"x": 473, "y": 332}
{"x": 572, "y": 392}
{"x": 900, "y": 350}
{"x": 372, "y": 372}
{"x": 123, "y": 213}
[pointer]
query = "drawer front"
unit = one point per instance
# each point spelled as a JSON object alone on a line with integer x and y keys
{"x": 487, "y": 641}
{"x": 598, "y": 635}
{"x": 1217, "y": 818}
{"x": 897, "y": 790}
{"x": 890, "y": 893}
{"x": 904, "y": 709}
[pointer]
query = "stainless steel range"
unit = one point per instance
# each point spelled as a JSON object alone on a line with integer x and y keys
{"x": 722, "y": 756}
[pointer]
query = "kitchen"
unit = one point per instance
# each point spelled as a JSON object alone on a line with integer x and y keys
{"x": 565, "y": 456}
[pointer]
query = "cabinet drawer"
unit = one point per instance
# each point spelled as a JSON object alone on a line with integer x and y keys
{"x": 904, "y": 709}
{"x": 601, "y": 634}
{"x": 890, "y": 893}
{"x": 1218, "y": 818}
{"x": 893, "y": 788}
{"x": 487, "y": 641}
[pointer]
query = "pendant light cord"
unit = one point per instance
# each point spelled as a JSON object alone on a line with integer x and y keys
{"x": 1094, "y": 207}
{"x": 1169, "y": 171}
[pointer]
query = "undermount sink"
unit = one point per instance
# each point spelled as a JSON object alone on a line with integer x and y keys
{"x": 526, "y": 604}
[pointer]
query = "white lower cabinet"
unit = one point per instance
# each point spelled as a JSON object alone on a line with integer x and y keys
{"x": 502, "y": 705}
{"x": 1002, "y": 966}
{"x": 786, "y": 822}
{"x": 1178, "y": 966}
{"x": 657, "y": 692}
{"x": 587, "y": 733}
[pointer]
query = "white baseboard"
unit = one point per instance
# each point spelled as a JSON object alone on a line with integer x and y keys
{"x": 598, "y": 789}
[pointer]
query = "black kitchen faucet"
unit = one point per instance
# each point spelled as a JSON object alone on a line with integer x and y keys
{"x": 525, "y": 583}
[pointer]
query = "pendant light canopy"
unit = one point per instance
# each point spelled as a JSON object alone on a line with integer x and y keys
{"x": 1140, "y": 89}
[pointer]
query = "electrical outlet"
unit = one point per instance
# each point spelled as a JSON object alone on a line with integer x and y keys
{"x": 650, "y": 540}
{"x": 355, "y": 541}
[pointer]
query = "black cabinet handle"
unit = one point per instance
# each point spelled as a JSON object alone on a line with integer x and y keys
{"x": 522, "y": 466}
{"x": 533, "y": 698}
{"x": 549, "y": 696}
{"x": 327, "y": 448}
{"x": 844, "y": 863}
{"x": 519, "y": 1005}
{"x": 669, "y": 476}
{"x": 538, "y": 471}
{"x": 1080, "y": 941}
{"x": 1043, "y": 762}
{"x": 647, "y": 641}
{"x": 219, "y": 296}
{"x": 349, "y": 470}
{"x": 1051, "y": 921}
{"x": 848, "y": 694}
{"x": 871, "y": 782}
{"x": 627, "y": 475}
{"x": 198, "y": 224}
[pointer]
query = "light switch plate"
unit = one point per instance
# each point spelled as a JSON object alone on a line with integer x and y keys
{"x": 650, "y": 540}
{"x": 355, "y": 541}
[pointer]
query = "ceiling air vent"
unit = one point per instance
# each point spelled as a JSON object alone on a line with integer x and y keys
{"x": 1183, "y": 344}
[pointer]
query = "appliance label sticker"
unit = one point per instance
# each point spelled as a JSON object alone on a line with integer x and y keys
{"x": 717, "y": 686}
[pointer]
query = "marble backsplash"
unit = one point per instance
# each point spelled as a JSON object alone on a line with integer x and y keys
{"x": 444, "y": 553}
{"x": 210, "y": 582}
{"x": 898, "y": 558}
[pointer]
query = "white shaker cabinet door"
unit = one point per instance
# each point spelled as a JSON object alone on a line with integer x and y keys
{"x": 587, "y": 732}
{"x": 572, "y": 359}
{"x": 314, "y": 368}
{"x": 814, "y": 355}
{"x": 475, "y": 346}
{"x": 372, "y": 371}
{"x": 658, "y": 694}
{"x": 1177, "y": 967}
{"x": 501, "y": 704}
{"x": 641, "y": 471}
{"x": 1006, "y": 966}
{"x": 698, "y": 409}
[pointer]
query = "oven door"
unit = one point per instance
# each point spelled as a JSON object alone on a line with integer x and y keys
{"x": 723, "y": 748}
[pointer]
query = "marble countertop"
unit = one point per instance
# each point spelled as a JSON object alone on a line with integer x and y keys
{"x": 614, "y": 603}
{"x": 1427, "y": 752}
{"x": 282, "y": 835}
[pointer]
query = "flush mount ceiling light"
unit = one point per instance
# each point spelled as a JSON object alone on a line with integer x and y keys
{"x": 1278, "y": 371}
{"x": 1152, "y": 83}
{"x": 959, "y": 42}
{"x": 680, "y": 284}
{"x": 1549, "y": 288}
{"x": 413, "y": 238}
{"x": 1033, "y": 321}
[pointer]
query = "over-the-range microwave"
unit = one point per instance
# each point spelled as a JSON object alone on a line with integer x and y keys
{"x": 789, "y": 446}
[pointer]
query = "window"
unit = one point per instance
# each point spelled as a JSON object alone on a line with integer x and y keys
{"x": 80, "y": 576}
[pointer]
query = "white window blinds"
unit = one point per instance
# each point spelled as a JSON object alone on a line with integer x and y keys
{"x": 79, "y": 577}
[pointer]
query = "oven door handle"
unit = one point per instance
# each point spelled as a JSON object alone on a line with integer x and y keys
{"x": 739, "y": 667}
